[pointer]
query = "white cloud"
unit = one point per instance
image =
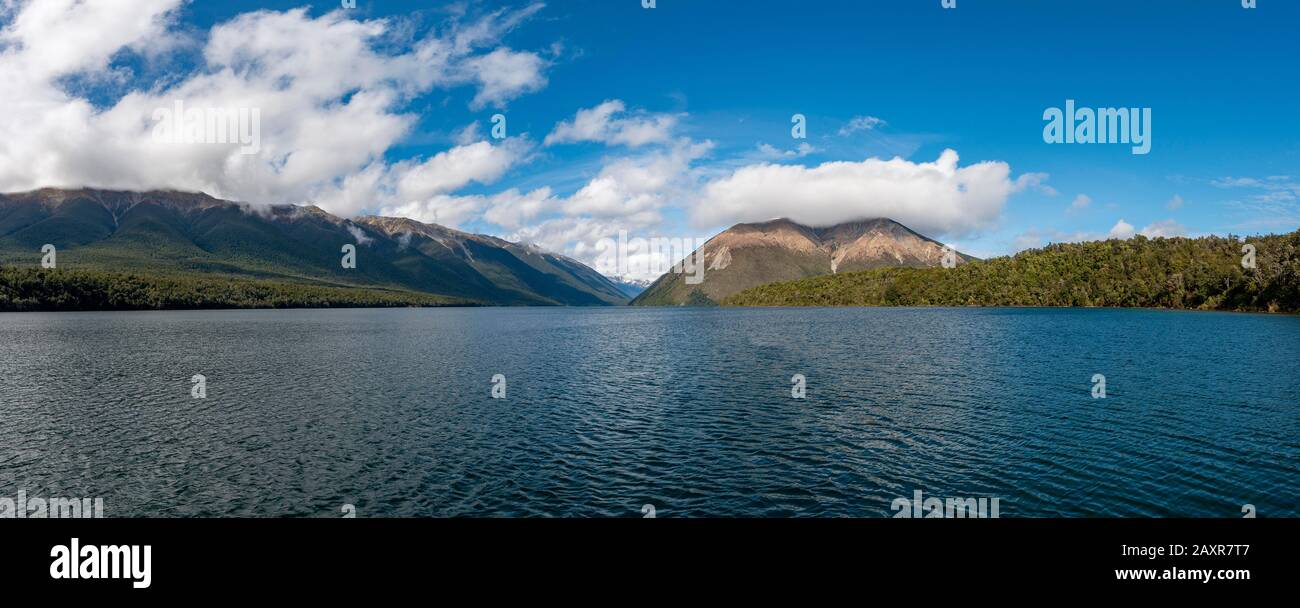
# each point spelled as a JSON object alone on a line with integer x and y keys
{"x": 505, "y": 74}
{"x": 632, "y": 186}
{"x": 1167, "y": 228}
{"x": 861, "y": 123}
{"x": 54, "y": 38}
{"x": 442, "y": 209}
{"x": 361, "y": 237}
{"x": 467, "y": 135}
{"x": 1121, "y": 230}
{"x": 453, "y": 169}
{"x": 610, "y": 124}
{"x": 423, "y": 190}
{"x": 769, "y": 152}
{"x": 573, "y": 235}
{"x": 331, "y": 92}
{"x": 1080, "y": 202}
{"x": 1175, "y": 203}
{"x": 934, "y": 198}
{"x": 580, "y": 237}
{"x": 627, "y": 193}
{"x": 513, "y": 210}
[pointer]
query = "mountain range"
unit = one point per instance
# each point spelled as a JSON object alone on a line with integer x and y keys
{"x": 169, "y": 249}
{"x": 749, "y": 255}
{"x": 187, "y": 235}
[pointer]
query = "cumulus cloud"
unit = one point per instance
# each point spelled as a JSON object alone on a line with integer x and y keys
{"x": 513, "y": 210}
{"x": 1175, "y": 203}
{"x": 1121, "y": 230}
{"x": 453, "y": 169}
{"x": 627, "y": 193}
{"x": 331, "y": 93}
{"x": 637, "y": 187}
{"x": 1080, "y": 202}
{"x": 576, "y": 236}
{"x": 610, "y": 123}
{"x": 1162, "y": 229}
{"x": 935, "y": 198}
{"x": 504, "y": 74}
{"x": 53, "y": 38}
{"x": 510, "y": 209}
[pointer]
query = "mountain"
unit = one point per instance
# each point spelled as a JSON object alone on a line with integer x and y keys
{"x": 1206, "y": 273}
{"x": 177, "y": 234}
{"x": 748, "y": 255}
{"x": 631, "y": 287}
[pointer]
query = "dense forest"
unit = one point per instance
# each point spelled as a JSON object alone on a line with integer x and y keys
{"x": 39, "y": 289}
{"x": 1180, "y": 273}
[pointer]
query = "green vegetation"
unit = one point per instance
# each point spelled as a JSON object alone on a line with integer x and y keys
{"x": 38, "y": 289}
{"x": 1179, "y": 273}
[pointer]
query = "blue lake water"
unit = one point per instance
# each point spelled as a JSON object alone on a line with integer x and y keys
{"x": 689, "y": 410}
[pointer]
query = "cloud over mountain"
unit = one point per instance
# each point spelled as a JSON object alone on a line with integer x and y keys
{"x": 938, "y": 198}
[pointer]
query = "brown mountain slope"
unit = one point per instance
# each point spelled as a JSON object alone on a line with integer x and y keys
{"x": 748, "y": 255}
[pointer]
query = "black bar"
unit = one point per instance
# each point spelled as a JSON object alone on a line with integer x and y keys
{"x": 324, "y": 556}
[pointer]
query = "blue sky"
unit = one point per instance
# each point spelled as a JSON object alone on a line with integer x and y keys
{"x": 725, "y": 77}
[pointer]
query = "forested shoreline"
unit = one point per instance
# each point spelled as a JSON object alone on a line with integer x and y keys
{"x": 1176, "y": 273}
{"x": 36, "y": 289}
{"x": 1205, "y": 273}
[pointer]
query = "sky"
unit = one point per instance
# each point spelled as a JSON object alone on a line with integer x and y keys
{"x": 677, "y": 120}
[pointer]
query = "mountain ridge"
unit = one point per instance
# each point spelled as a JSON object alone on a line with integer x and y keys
{"x": 194, "y": 234}
{"x": 751, "y": 254}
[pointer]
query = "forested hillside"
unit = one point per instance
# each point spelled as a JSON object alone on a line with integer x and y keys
{"x": 38, "y": 289}
{"x": 1178, "y": 273}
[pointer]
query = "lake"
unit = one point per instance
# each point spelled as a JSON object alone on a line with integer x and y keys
{"x": 688, "y": 410}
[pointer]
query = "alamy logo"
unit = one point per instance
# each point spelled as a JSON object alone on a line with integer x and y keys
{"x": 177, "y": 125}
{"x": 949, "y": 258}
{"x": 920, "y": 507}
{"x": 72, "y": 561}
{"x": 1099, "y": 126}
{"x": 653, "y": 257}
{"x": 23, "y": 507}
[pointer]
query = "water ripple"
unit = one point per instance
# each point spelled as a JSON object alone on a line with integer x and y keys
{"x": 686, "y": 409}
